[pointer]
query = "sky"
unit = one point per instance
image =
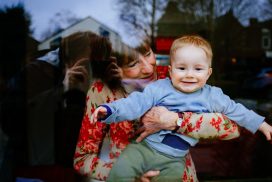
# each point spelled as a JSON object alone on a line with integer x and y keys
{"x": 42, "y": 11}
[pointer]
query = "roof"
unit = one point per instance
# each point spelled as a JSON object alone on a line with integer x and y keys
{"x": 78, "y": 22}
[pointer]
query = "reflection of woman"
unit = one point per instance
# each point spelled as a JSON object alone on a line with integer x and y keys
{"x": 136, "y": 73}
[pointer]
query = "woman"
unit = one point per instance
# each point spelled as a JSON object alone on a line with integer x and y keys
{"x": 136, "y": 74}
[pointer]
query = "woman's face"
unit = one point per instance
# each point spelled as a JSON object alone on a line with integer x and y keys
{"x": 142, "y": 68}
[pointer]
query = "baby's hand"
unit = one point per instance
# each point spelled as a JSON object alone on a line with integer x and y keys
{"x": 100, "y": 112}
{"x": 266, "y": 129}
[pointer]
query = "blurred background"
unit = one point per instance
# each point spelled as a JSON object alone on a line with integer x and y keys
{"x": 240, "y": 32}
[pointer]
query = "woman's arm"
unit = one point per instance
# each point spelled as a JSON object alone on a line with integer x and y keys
{"x": 200, "y": 126}
{"x": 208, "y": 126}
{"x": 86, "y": 158}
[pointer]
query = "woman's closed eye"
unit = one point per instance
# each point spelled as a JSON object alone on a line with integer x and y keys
{"x": 132, "y": 64}
{"x": 147, "y": 54}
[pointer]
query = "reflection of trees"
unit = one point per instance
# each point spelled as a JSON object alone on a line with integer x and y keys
{"x": 206, "y": 11}
{"x": 140, "y": 17}
{"x": 14, "y": 33}
{"x": 59, "y": 22}
{"x": 15, "y": 23}
{"x": 266, "y": 9}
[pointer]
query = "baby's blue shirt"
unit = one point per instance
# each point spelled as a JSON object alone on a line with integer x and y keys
{"x": 162, "y": 93}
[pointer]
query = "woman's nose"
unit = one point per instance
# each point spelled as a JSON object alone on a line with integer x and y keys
{"x": 147, "y": 68}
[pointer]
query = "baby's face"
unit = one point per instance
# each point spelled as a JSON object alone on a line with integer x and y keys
{"x": 189, "y": 69}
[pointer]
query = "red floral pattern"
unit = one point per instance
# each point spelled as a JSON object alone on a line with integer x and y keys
{"x": 98, "y": 85}
{"x": 121, "y": 133}
{"x": 216, "y": 123}
{"x": 218, "y": 127}
{"x": 189, "y": 174}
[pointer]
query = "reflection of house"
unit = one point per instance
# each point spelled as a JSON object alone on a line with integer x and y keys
{"x": 232, "y": 40}
{"x": 175, "y": 23}
{"x": 259, "y": 37}
{"x": 87, "y": 24}
{"x": 240, "y": 51}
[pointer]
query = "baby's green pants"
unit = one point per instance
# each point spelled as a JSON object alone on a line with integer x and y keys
{"x": 139, "y": 158}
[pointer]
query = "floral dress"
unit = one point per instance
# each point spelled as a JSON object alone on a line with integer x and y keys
{"x": 86, "y": 159}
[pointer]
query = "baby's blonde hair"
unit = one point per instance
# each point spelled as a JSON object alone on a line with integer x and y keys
{"x": 194, "y": 40}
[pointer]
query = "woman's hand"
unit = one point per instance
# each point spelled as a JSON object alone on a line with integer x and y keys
{"x": 78, "y": 76}
{"x": 156, "y": 119}
{"x": 146, "y": 177}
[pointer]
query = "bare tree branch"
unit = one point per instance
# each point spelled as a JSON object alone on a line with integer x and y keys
{"x": 58, "y": 22}
{"x": 266, "y": 9}
{"x": 140, "y": 17}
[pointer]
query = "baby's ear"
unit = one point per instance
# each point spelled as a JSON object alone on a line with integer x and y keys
{"x": 209, "y": 72}
{"x": 170, "y": 70}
